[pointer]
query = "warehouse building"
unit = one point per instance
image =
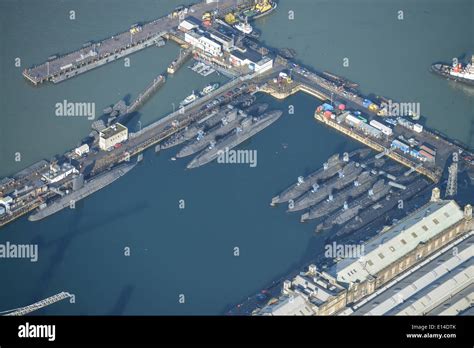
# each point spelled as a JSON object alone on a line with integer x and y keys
{"x": 441, "y": 285}
{"x": 403, "y": 245}
{"x": 388, "y": 256}
{"x": 198, "y": 40}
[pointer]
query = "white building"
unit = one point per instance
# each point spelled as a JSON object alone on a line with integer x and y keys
{"x": 252, "y": 59}
{"x": 192, "y": 38}
{"x": 57, "y": 173}
{"x": 5, "y": 203}
{"x": 81, "y": 150}
{"x": 210, "y": 46}
{"x": 200, "y": 41}
{"x": 262, "y": 65}
{"x": 112, "y": 135}
{"x": 189, "y": 24}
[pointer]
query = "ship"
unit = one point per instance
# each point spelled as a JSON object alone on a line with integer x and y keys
{"x": 94, "y": 184}
{"x": 345, "y": 176}
{"x": 303, "y": 184}
{"x": 352, "y": 209}
{"x": 262, "y": 8}
{"x": 248, "y": 127}
{"x": 188, "y": 100}
{"x": 208, "y": 89}
{"x": 203, "y": 139}
{"x": 181, "y": 137}
{"x": 456, "y": 72}
{"x": 363, "y": 183}
{"x": 244, "y": 27}
{"x": 379, "y": 210}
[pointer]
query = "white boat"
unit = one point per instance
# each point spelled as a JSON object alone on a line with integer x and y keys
{"x": 188, "y": 100}
{"x": 244, "y": 27}
{"x": 209, "y": 88}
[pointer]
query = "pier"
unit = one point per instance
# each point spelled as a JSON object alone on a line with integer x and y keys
{"x": 117, "y": 46}
{"x": 160, "y": 130}
{"x": 180, "y": 60}
{"x": 37, "y": 305}
{"x": 378, "y": 146}
{"x": 157, "y": 82}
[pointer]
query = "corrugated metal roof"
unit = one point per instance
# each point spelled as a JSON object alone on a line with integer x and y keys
{"x": 399, "y": 240}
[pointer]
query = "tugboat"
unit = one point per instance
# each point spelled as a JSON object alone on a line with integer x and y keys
{"x": 244, "y": 27}
{"x": 456, "y": 72}
{"x": 262, "y": 8}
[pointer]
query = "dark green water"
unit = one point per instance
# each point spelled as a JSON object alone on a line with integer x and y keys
{"x": 190, "y": 251}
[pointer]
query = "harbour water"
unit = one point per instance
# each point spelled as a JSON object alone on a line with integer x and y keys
{"x": 190, "y": 251}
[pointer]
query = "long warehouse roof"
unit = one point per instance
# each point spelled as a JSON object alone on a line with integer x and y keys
{"x": 399, "y": 240}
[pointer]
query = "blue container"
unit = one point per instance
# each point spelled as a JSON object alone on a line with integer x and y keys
{"x": 328, "y": 107}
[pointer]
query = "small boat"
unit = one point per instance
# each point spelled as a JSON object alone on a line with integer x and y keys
{"x": 188, "y": 100}
{"x": 209, "y": 88}
{"x": 207, "y": 71}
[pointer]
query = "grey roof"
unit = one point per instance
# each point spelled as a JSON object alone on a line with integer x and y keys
{"x": 399, "y": 240}
{"x": 249, "y": 54}
{"x": 425, "y": 287}
{"x": 112, "y": 130}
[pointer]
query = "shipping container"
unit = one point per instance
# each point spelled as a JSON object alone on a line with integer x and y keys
{"x": 400, "y": 145}
{"x": 380, "y": 126}
{"x": 372, "y": 131}
{"x": 366, "y": 103}
{"x": 414, "y": 153}
{"x": 353, "y": 121}
{"x": 427, "y": 155}
{"x": 327, "y": 106}
{"x": 373, "y": 107}
{"x": 418, "y": 128}
{"x": 427, "y": 149}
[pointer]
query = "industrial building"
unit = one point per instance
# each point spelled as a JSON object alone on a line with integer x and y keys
{"x": 5, "y": 203}
{"x": 190, "y": 23}
{"x": 308, "y": 294}
{"x": 441, "y": 285}
{"x": 226, "y": 41}
{"x": 112, "y": 135}
{"x": 57, "y": 173}
{"x": 252, "y": 59}
{"x": 81, "y": 150}
{"x": 388, "y": 257}
{"x": 200, "y": 41}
